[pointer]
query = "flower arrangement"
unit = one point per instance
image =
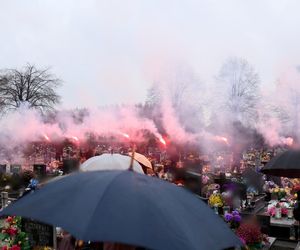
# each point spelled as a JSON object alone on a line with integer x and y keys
{"x": 269, "y": 186}
{"x": 296, "y": 188}
{"x": 265, "y": 157}
{"x": 283, "y": 207}
{"x": 216, "y": 200}
{"x": 205, "y": 179}
{"x": 286, "y": 182}
{"x": 11, "y": 236}
{"x": 295, "y": 182}
{"x": 280, "y": 193}
{"x": 214, "y": 187}
{"x": 251, "y": 235}
{"x": 233, "y": 219}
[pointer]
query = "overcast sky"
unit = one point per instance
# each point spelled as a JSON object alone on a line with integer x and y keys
{"x": 109, "y": 51}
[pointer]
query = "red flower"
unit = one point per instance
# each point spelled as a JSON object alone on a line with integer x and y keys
{"x": 296, "y": 188}
{"x": 4, "y": 248}
{"x": 284, "y": 211}
{"x": 15, "y": 247}
{"x": 12, "y": 231}
{"x": 9, "y": 219}
{"x": 250, "y": 233}
{"x": 272, "y": 211}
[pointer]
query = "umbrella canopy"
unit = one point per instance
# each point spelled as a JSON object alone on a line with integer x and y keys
{"x": 128, "y": 208}
{"x": 142, "y": 160}
{"x": 110, "y": 162}
{"x": 253, "y": 179}
{"x": 286, "y": 164}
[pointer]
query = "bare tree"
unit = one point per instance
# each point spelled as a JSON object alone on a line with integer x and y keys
{"x": 3, "y": 81}
{"x": 35, "y": 87}
{"x": 154, "y": 96}
{"x": 181, "y": 88}
{"x": 238, "y": 88}
{"x": 287, "y": 101}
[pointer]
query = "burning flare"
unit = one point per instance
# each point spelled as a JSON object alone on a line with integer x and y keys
{"x": 75, "y": 138}
{"x": 222, "y": 139}
{"x": 162, "y": 141}
{"x": 46, "y": 137}
{"x": 289, "y": 141}
{"x": 125, "y": 135}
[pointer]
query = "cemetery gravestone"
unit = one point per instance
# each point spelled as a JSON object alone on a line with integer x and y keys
{"x": 39, "y": 169}
{"x": 39, "y": 234}
{"x": 15, "y": 169}
{"x": 2, "y": 168}
{"x": 70, "y": 165}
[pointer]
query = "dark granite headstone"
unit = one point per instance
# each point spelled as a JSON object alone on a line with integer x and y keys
{"x": 15, "y": 169}
{"x": 70, "y": 165}
{"x": 39, "y": 234}
{"x": 39, "y": 169}
{"x": 2, "y": 168}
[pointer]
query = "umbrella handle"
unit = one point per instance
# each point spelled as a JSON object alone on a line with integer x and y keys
{"x": 132, "y": 158}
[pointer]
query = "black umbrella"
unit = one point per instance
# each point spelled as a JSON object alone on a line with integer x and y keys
{"x": 129, "y": 208}
{"x": 286, "y": 164}
{"x": 253, "y": 179}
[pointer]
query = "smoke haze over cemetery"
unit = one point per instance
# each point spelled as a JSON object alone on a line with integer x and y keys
{"x": 112, "y": 53}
